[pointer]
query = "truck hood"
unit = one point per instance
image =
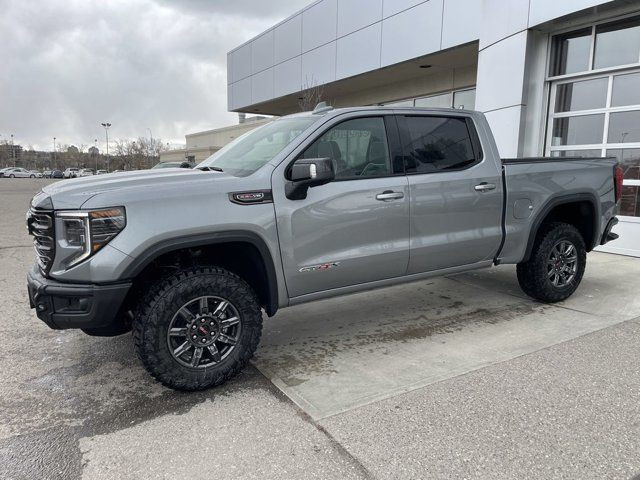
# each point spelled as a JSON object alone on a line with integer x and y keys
{"x": 74, "y": 193}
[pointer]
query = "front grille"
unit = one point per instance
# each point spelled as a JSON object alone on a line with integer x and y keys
{"x": 41, "y": 225}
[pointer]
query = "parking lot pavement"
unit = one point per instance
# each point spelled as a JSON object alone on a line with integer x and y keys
{"x": 459, "y": 377}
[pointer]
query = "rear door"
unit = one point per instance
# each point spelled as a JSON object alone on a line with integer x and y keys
{"x": 456, "y": 193}
{"x": 355, "y": 229}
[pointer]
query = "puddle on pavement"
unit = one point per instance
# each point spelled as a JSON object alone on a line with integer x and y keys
{"x": 305, "y": 357}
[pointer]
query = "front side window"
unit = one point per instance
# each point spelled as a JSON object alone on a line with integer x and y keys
{"x": 358, "y": 148}
{"x": 436, "y": 144}
{"x": 251, "y": 151}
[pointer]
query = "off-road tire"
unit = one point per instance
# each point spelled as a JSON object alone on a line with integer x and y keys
{"x": 158, "y": 306}
{"x": 532, "y": 274}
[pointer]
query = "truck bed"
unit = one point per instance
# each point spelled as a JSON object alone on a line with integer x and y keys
{"x": 534, "y": 185}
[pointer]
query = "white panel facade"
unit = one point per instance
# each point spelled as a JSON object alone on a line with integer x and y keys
{"x": 544, "y": 10}
{"x": 359, "y": 52}
{"x": 242, "y": 92}
{"x": 287, "y": 77}
{"x": 412, "y": 33}
{"x": 319, "y": 66}
{"x": 319, "y": 24}
{"x": 460, "y": 22}
{"x": 287, "y": 41}
{"x": 505, "y": 127}
{"x": 501, "y": 69}
{"x": 391, "y": 7}
{"x": 356, "y": 14}
{"x": 230, "y": 78}
{"x": 335, "y": 39}
{"x": 262, "y": 86}
{"x": 501, "y": 19}
{"x": 262, "y": 52}
{"x": 242, "y": 62}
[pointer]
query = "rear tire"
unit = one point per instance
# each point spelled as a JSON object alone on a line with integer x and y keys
{"x": 557, "y": 264}
{"x": 198, "y": 328}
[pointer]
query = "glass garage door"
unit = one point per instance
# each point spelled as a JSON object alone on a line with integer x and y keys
{"x": 600, "y": 116}
{"x": 595, "y": 109}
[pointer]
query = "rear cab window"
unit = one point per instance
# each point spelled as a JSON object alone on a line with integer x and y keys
{"x": 438, "y": 143}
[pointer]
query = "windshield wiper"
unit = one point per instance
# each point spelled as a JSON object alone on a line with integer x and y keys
{"x": 210, "y": 168}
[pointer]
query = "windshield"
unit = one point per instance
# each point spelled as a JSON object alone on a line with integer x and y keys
{"x": 254, "y": 149}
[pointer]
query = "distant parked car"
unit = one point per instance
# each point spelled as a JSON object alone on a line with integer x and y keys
{"x": 57, "y": 174}
{"x": 5, "y": 170}
{"x": 18, "y": 172}
{"x": 172, "y": 165}
{"x": 85, "y": 172}
{"x": 36, "y": 173}
{"x": 71, "y": 172}
{"x": 47, "y": 173}
{"x": 101, "y": 172}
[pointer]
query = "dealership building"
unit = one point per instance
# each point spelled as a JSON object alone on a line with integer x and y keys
{"x": 553, "y": 77}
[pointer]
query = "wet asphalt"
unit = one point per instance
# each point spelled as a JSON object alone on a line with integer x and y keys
{"x": 74, "y": 406}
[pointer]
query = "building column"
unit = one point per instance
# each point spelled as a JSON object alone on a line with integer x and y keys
{"x": 502, "y": 60}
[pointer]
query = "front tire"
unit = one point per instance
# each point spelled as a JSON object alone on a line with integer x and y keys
{"x": 198, "y": 328}
{"x": 556, "y": 266}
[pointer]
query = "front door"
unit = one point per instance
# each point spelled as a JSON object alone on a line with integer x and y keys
{"x": 355, "y": 229}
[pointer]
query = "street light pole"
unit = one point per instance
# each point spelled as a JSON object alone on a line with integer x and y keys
{"x": 106, "y": 126}
{"x": 95, "y": 152}
{"x": 13, "y": 151}
{"x": 54, "y": 151}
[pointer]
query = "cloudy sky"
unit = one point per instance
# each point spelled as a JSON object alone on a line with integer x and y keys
{"x": 68, "y": 65}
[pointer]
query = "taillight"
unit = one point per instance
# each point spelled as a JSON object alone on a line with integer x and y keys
{"x": 618, "y": 176}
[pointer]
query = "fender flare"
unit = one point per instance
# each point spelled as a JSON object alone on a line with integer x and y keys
{"x": 206, "y": 239}
{"x": 563, "y": 200}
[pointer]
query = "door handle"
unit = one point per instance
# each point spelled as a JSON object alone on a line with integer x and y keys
{"x": 389, "y": 195}
{"x": 484, "y": 187}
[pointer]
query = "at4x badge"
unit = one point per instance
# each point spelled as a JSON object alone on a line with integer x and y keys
{"x": 322, "y": 266}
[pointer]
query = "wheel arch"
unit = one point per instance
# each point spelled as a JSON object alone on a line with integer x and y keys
{"x": 268, "y": 293}
{"x": 561, "y": 208}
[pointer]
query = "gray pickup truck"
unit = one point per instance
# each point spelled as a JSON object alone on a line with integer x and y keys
{"x": 309, "y": 206}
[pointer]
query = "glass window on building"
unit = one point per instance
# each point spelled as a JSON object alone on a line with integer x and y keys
{"x": 617, "y": 43}
{"x": 400, "y": 104}
{"x": 465, "y": 99}
{"x": 629, "y": 158}
{"x": 584, "y": 95}
{"x": 605, "y": 45}
{"x": 456, "y": 99}
{"x": 571, "y": 52}
{"x": 436, "y": 101}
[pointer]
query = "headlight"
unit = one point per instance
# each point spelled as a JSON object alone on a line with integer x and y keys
{"x": 83, "y": 233}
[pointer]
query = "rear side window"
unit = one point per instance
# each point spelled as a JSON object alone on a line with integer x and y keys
{"x": 435, "y": 144}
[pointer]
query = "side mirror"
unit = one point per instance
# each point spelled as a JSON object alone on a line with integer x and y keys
{"x": 306, "y": 173}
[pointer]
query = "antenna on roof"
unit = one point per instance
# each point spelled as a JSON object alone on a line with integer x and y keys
{"x": 322, "y": 107}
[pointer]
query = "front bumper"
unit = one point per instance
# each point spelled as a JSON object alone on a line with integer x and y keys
{"x": 69, "y": 305}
